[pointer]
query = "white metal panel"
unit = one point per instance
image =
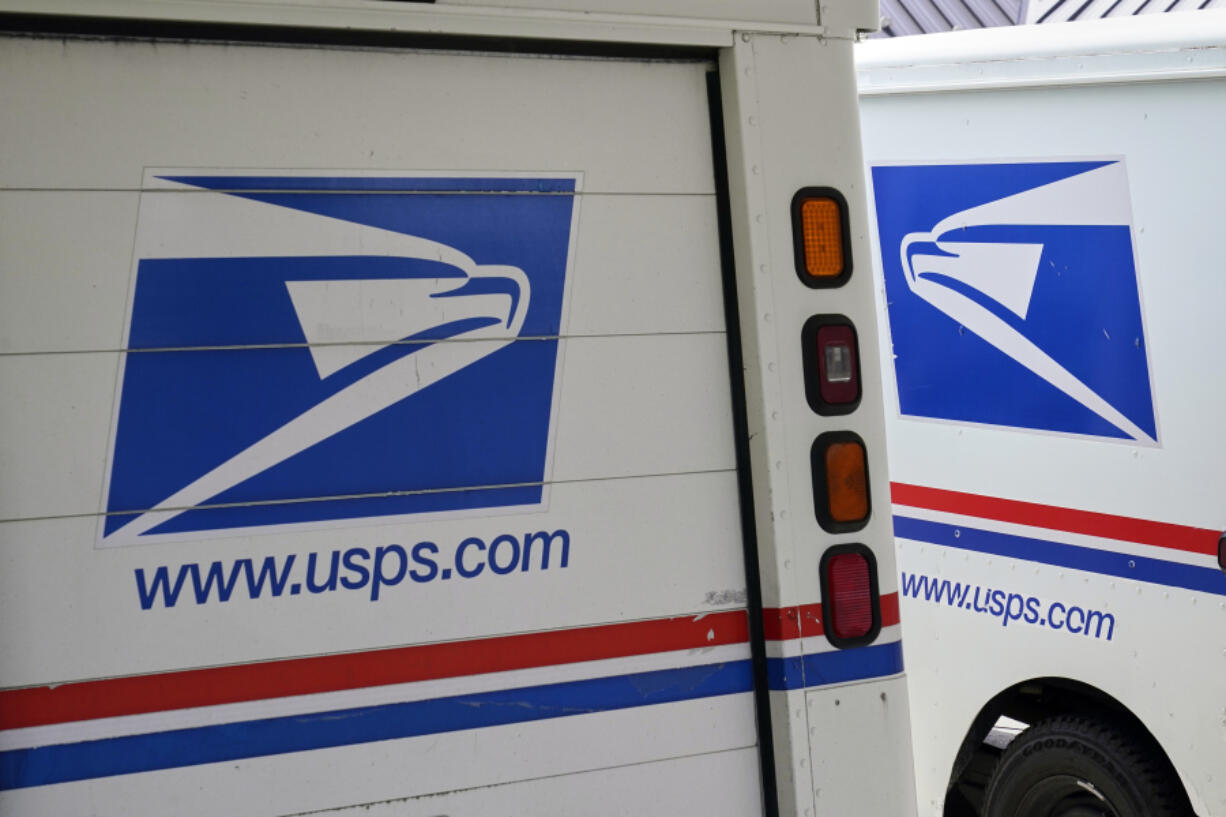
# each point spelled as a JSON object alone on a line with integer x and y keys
{"x": 642, "y": 473}
{"x": 795, "y": 12}
{"x": 1176, "y": 183}
{"x": 679, "y": 385}
{"x": 645, "y": 274}
{"x": 849, "y": 20}
{"x": 317, "y": 108}
{"x": 82, "y": 274}
{"x": 91, "y": 624}
{"x": 468, "y": 769}
{"x": 802, "y": 135}
{"x": 1128, "y": 49}
{"x": 1169, "y": 682}
{"x": 54, "y": 449}
{"x": 685, "y": 525}
{"x": 720, "y": 784}
{"x": 640, "y": 272}
{"x": 57, "y": 414}
{"x": 849, "y": 770}
{"x": 781, "y": 141}
{"x": 658, "y": 26}
{"x": 1165, "y": 657}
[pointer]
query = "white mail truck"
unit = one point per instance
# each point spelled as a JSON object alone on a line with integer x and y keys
{"x": 441, "y": 408}
{"x": 1049, "y": 208}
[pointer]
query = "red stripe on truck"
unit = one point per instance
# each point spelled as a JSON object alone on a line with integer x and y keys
{"x": 785, "y": 623}
{"x": 1089, "y": 523}
{"x": 133, "y": 695}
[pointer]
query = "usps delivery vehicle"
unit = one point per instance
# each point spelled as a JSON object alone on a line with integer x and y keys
{"x": 420, "y": 409}
{"x": 1049, "y": 206}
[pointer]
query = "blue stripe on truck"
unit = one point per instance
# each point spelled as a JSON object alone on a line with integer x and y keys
{"x": 1059, "y": 554}
{"x": 22, "y": 768}
{"x": 834, "y": 667}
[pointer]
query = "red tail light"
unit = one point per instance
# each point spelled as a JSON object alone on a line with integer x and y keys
{"x": 851, "y": 605}
{"x": 851, "y": 608}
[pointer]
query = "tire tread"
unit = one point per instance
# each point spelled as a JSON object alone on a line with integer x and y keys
{"x": 1132, "y": 758}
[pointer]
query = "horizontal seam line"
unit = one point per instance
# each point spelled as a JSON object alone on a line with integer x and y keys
{"x": 375, "y": 342}
{"x": 372, "y": 495}
{"x": 410, "y": 799}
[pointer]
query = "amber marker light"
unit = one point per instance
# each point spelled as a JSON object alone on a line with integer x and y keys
{"x": 846, "y": 483}
{"x": 840, "y": 482}
{"x": 821, "y": 237}
{"x": 821, "y": 229}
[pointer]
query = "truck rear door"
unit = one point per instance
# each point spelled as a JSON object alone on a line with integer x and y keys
{"x": 367, "y": 434}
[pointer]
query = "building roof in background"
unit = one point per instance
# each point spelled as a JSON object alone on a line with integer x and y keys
{"x": 903, "y": 17}
{"x": 1056, "y": 11}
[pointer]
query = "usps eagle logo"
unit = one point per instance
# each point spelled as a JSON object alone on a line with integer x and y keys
{"x": 1013, "y": 297}
{"x": 316, "y": 348}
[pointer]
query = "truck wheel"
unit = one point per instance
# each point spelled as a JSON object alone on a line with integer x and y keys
{"x": 1073, "y": 766}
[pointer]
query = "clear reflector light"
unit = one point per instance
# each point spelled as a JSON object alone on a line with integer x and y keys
{"x": 831, "y": 359}
{"x": 838, "y": 362}
{"x": 839, "y": 373}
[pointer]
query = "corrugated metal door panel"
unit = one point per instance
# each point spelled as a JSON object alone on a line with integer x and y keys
{"x": 429, "y": 344}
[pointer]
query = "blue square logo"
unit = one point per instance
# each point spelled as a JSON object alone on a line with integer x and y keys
{"x": 311, "y": 348}
{"x": 1013, "y": 298}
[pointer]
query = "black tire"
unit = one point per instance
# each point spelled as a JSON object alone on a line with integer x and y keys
{"x": 1073, "y": 766}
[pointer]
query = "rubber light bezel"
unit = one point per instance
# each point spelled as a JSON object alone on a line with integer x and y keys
{"x": 830, "y": 594}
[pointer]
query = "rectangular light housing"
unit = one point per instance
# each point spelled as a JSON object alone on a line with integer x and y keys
{"x": 821, "y": 237}
{"x": 840, "y": 481}
{"x": 851, "y": 604}
{"x": 830, "y": 352}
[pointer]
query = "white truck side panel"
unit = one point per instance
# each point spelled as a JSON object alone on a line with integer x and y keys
{"x": 614, "y": 289}
{"x": 640, "y": 470}
{"x": 676, "y": 22}
{"x": 596, "y": 440}
{"x": 302, "y": 343}
{"x": 795, "y": 12}
{"x": 1115, "y": 93}
{"x": 782, "y": 137}
{"x": 346, "y": 110}
{"x": 464, "y": 771}
{"x": 1147, "y": 124}
{"x": 127, "y": 639}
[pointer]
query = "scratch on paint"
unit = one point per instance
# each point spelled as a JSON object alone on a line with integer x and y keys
{"x": 332, "y": 716}
{"x": 562, "y": 710}
{"x": 722, "y": 597}
{"x": 649, "y": 688}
